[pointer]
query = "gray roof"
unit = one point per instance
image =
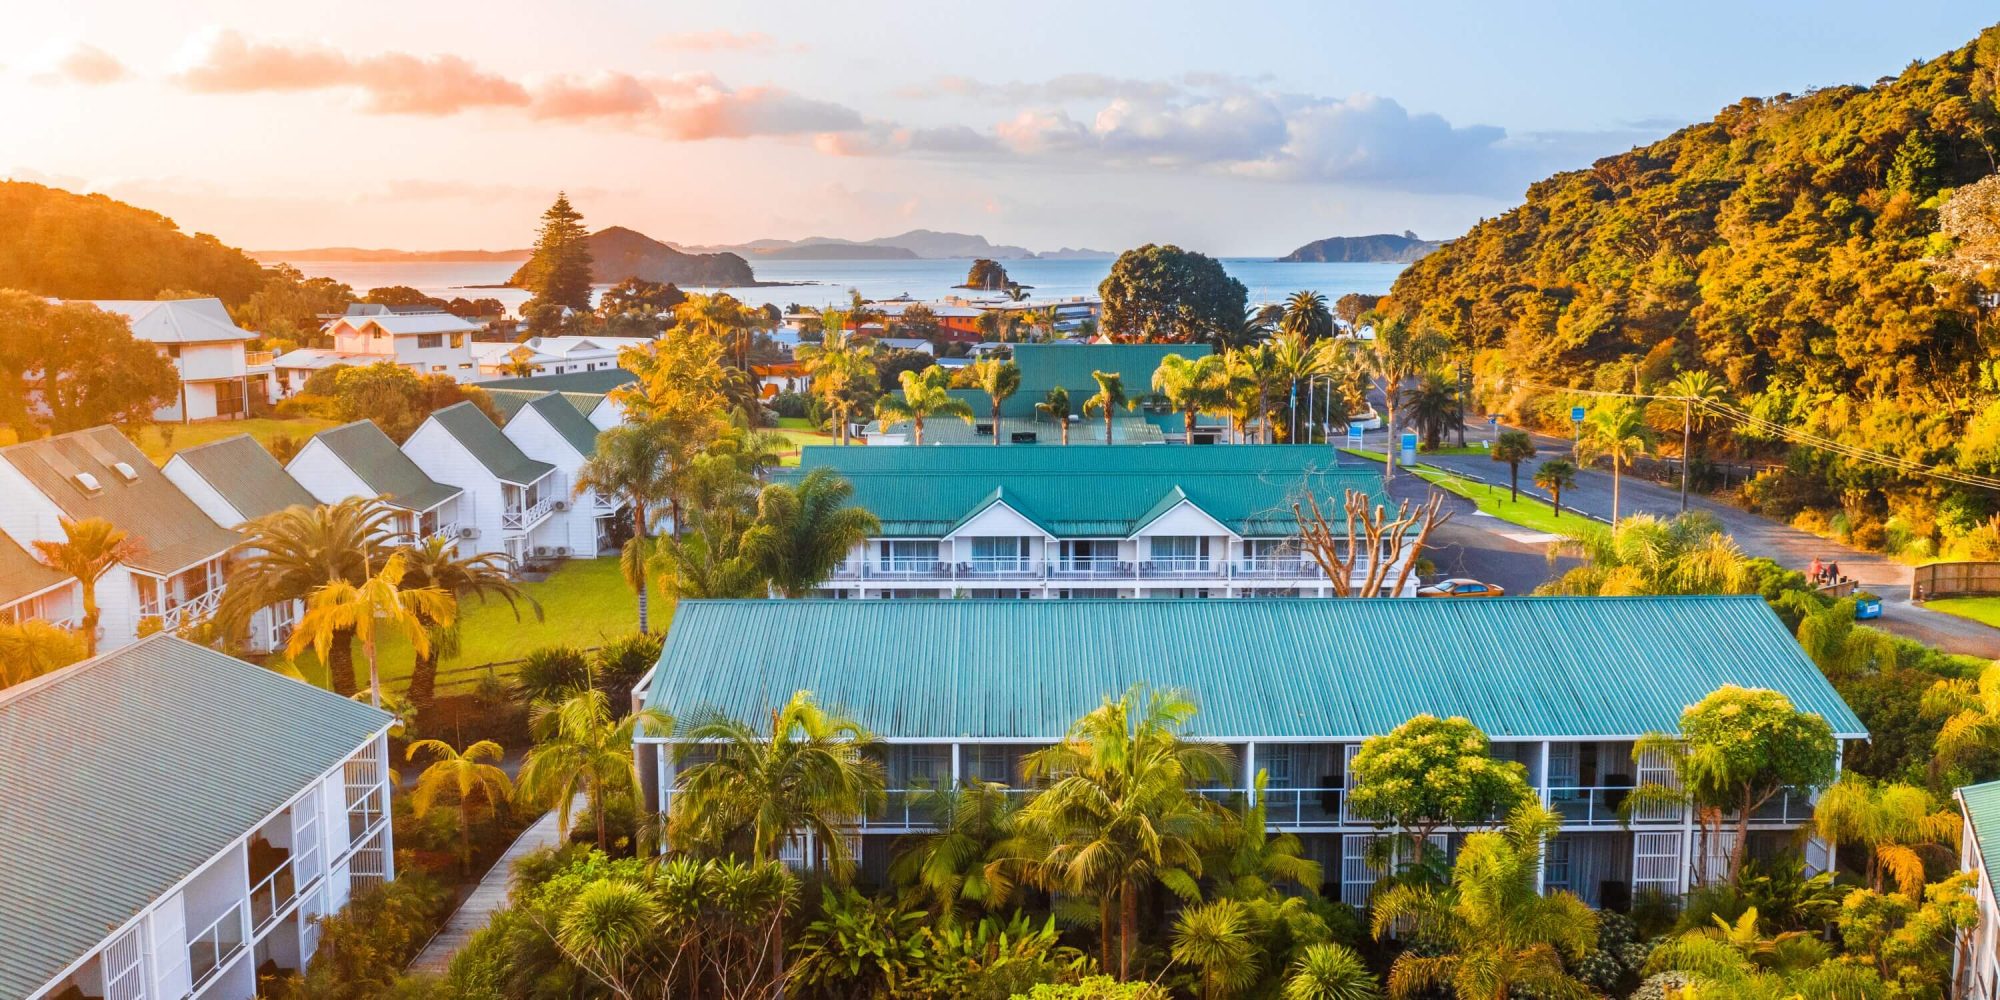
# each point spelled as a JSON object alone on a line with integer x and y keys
{"x": 23, "y": 575}
{"x": 171, "y": 532}
{"x": 371, "y": 455}
{"x": 575, "y": 429}
{"x": 484, "y": 442}
{"x": 601, "y": 380}
{"x": 510, "y": 401}
{"x": 123, "y": 774}
{"x": 246, "y": 475}
{"x": 177, "y": 321}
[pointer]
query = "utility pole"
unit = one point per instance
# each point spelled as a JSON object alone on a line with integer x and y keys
{"x": 1687, "y": 439}
{"x": 1464, "y": 390}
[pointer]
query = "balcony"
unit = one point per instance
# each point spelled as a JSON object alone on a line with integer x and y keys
{"x": 270, "y": 896}
{"x": 210, "y": 948}
{"x": 1077, "y": 570}
{"x": 448, "y": 532}
{"x": 523, "y": 518}
{"x": 175, "y": 616}
{"x": 1182, "y": 568}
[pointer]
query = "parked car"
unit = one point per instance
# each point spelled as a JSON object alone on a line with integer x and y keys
{"x": 1459, "y": 586}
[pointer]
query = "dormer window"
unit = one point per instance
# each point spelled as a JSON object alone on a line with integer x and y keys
{"x": 125, "y": 472}
{"x": 88, "y": 483}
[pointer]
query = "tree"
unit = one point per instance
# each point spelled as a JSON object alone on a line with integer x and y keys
{"x": 1351, "y": 307}
{"x": 810, "y": 774}
{"x": 287, "y": 555}
{"x": 1513, "y": 448}
{"x": 1971, "y": 710}
{"x": 1372, "y": 539}
{"x": 582, "y": 749}
{"x": 339, "y": 609}
{"x": 1119, "y": 813}
{"x": 986, "y": 275}
{"x": 289, "y": 305}
{"x": 917, "y": 320}
{"x": 648, "y": 300}
{"x": 631, "y": 462}
{"x": 89, "y": 548}
{"x": 1215, "y": 938}
{"x": 1110, "y": 395}
{"x": 558, "y": 270}
{"x": 1398, "y": 353}
{"x": 962, "y": 863}
{"x": 1897, "y": 824}
{"x": 679, "y": 397}
{"x": 1330, "y": 971}
{"x": 1494, "y": 934}
{"x": 1645, "y": 555}
{"x": 1697, "y": 391}
{"x": 1055, "y": 406}
{"x": 1617, "y": 432}
{"x": 843, "y": 375}
{"x": 1164, "y": 293}
{"x": 83, "y": 365}
{"x": 721, "y": 317}
{"x": 925, "y": 394}
{"x": 31, "y": 648}
{"x": 1306, "y": 317}
{"x": 1192, "y": 386}
{"x": 1296, "y": 360}
{"x": 804, "y": 530}
{"x": 466, "y": 778}
{"x": 1250, "y": 373}
{"x": 998, "y": 379}
{"x": 1431, "y": 772}
{"x": 435, "y": 563}
{"x": 399, "y": 400}
{"x": 1434, "y": 406}
{"x": 1555, "y": 476}
{"x": 1737, "y": 749}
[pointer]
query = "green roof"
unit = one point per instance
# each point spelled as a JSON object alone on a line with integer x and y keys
{"x": 1276, "y": 669}
{"x": 170, "y": 531}
{"x": 246, "y": 475}
{"x": 121, "y": 775}
{"x": 1102, "y": 492}
{"x": 21, "y": 574}
{"x": 600, "y": 381}
{"x": 484, "y": 442}
{"x": 1045, "y": 366}
{"x": 510, "y": 401}
{"x": 951, "y": 430}
{"x": 383, "y": 467}
{"x": 575, "y": 429}
{"x": 1981, "y": 804}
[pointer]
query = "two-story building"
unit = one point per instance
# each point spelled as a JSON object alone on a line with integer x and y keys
{"x": 519, "y": 504}
{"x": 427, "y": 343}
{"x": 207, "y": 349}
{"x": 173, "y": 577}
{"x": 962, "y": 690}
{"x": 235, "y": 481}
{"x": 210, "y": 811}
{"x": 358, "y": 460}
{"x": 1976, "y": 957}
{"x": 550, "y": 429}
{"x": 1118, "y": 521}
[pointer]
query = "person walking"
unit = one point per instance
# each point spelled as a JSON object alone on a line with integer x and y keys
{"x": 1816, "y": 572}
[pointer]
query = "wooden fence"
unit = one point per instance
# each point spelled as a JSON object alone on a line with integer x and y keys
{"x": 1945, "y": 579}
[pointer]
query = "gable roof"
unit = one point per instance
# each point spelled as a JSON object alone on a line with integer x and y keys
{"x": 1981, "y": 806}
{"x": 1102, "y": 492}
{"x": 171, "y": 532}
{"x": 177, "y": 321}
{"x": 164, "y": 744}
{"x": 246, "y": 475}
{"x": 601, "y": 380}
{"x": 490, "y": 448}
{"x": 369, "y": 454}
{"x": 22, "y": 575}
{"x": 576, "y": 430}
{"x": 409, "y": 324}
{"x": 510, "y": 401}
{"x": 1615, "y": 667}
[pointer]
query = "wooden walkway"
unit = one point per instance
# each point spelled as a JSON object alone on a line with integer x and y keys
{"x": 487, "y": 898}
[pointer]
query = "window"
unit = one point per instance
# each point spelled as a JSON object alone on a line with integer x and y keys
{"x": 1000, "y": 553}
{"x": 174, "y": 351}
{"x": 1270, "y": 552}
{"x": 930, "y": 767}
{"x": 1277, "y": 764}
{"x": 429, "y": 341}
{"x": 907, "y": 555}
{"x": 988, "y": 762}
{"x": 1096, "y": 554}
{"x": 1181, "y": 551}
{"x": 439, "y": 368}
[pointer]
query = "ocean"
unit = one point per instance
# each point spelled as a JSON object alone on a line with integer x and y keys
{"x": 819, "y": 283}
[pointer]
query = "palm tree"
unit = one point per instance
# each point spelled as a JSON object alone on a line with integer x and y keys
{"x": 1216, "y": 938}
{"x": 721, "y": 316}
{"x": 706, "y": 562}
{"x": 1250, "y": 862}
{"x": 1433, "y": 405}
{"x": 290, "y": 554}
{"x": 999, "y": 380}
{"x": 1121, "y": 813}
{"x": 89, "y": 547}
{"x": 1498, "y": 935}
{"x": 1294, "y": 360}
{"x": 812, "y": 771}
{"x": 1689, "y": 554}
{"x": 1896, "y": 823}
{"x": 1192, "y": 386}
{"x": 1399, "y": 352}
{"x": 1055, "y": 406}
{"x": 631, "y": 462}
{"x": 842, "y": 372}
{"x": 339, "y": 610}
{"x": 803, "y": 531}
{"x": 435, "y": 562}
{"x": 925, "y": 394}
{"x": 1306, "y": 317}
{"x": 1249, "y": 374}
{"x": 1331, "y": 971}
{"x": 1110, "y": 396}
{"x": 581, "y": 749}
{"x": 1971, "y": 711}
{"x": 1696, "y": 390}
{"x": 29, "y": 649}
{"x": 1617, "y": 432}
{"x": 466, "y": 778}
{"x": 1555, "y": 476}
{"x": 962, "y": 863}
{"x": 1513, "y": 448}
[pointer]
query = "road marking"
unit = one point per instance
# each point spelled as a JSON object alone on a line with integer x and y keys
{"x": 1531, "y": 538}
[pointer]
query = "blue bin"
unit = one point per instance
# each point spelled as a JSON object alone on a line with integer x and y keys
{"x": 1867, "y": 609}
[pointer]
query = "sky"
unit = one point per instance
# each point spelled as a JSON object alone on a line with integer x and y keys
{"x": 1238, "y": 128}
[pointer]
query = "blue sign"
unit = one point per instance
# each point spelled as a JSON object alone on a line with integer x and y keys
{"x": 1493, "y": 420}
{"x": 1409, "y": 448}
{"x": 1576, "y": 414}
{"x": 1354, "y": 435}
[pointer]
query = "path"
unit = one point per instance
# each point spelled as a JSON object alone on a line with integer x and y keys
{"x": 489, "y": 897}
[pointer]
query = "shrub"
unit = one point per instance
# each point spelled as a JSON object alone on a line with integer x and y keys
{"x": 1097, "y": 988}
{"x": 789, "y": 404}
{"x": 307, "y": 404}
{"x": 362, "y": 947}
{"x": 621, "y": 663}
{"x": 552, "y": 673}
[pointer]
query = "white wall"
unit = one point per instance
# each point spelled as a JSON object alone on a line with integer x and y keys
{"x": 575, "y": 528}
{"x": 324, "y": 475}
{"x": 219, "y": 510}
{"x": 442, "y": 458}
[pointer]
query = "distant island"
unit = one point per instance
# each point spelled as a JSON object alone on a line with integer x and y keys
{"x": 836, "y": 251}
{"x": 1382, "y": 248}
{"x": 358, "y": 255}
{"x": 618, "y": 253}
{"x": 917, "y": 244}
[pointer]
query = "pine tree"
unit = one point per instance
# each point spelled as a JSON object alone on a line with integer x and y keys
{"x": 559, "y": 270}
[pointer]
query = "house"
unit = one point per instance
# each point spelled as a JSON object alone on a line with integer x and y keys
{"x": 553, "y": 355}
{"x": 1055, "y": 522}
{"x": 605, "y": 410}
{"x": 599, "y": 408}
{"x": 174, "y": 576}
{"x": 881, "y": 343}
{"x": 1292, "y": 688}
{"x": 550, "y": 429}
{"x": 1976, "y": 959}
{"x": 181, "y": 864}
{"x": 358, "y": 460}
{"x": 779, "y": 378}
{"x": 207, "y": 349}
{"x": 427, "y": 343}
{"x": 30, "y": 590}
{"x": 235, "y": 481}
{"x": 1069, "y": 367}
{"x": 515, "y": 499}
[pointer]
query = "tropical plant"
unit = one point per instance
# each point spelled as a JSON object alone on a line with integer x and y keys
{"x": 962, "y": 863}
{"x": 436, "y": 563}
{"x": 552, "y": 674}
{"x": 1296, "y": 359}
{"x": 706, "y": 563}
{"x": 1250, "y": 374}
{"x": 31, "y": 648}
{"x": 1513, "y": 448}
{"x": 1646, "y": 555}
{"x": 1433, "y": 405}
{"x": 1330, "y": 971}
{"x": 583, "y": 749}
{"x": 1897, "y": 824}
{"x": 998, "y": 379}
{"x": 1400, "y": 351}
{"x": 925, "y": 394}
{"x": 1555, "y": 476}
{"x": 1698, "y": 392}
{"x": 1110, "y": 395}
{"x": 1306, "y": 316}
{"x": 843, "y": 375}
{"x": 722, "y": 317}
{"x": 804, "y": 530}
{"x": 1055, "y": 406}
{"x": 1971, "y": 711}
{"x": 339, "y": 610}
{"x": 1192, "y": 386}
{"x": 1249, "y": 862}
{"x": 1617, "y": 432}
{"x": 631, "y": 462}
{"x": 466, "y": 778}
{"x": 1429, "y": 773}
{"x": 1216, "y": 938}
{"x": 89, "y": 548}
{"x": 860, "y": 947}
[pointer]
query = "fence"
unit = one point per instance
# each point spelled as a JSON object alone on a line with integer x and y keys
{"x": 1943, "y": 579}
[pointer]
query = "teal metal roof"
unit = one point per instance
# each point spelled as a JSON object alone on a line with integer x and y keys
{"x": 246, "y": 475}
{"x": 170, "y": 532}
{"x": 575, "y": 429}
{"x": 121, "y": 775}
{"x": 484, "y": 442}
{"x": 1520, "y": 668}
{"x": 1045, "y": 366}
{"x": 1101, "y": 492}
{"x": 363, "y": 448}
{"x": 1981, "y": 805}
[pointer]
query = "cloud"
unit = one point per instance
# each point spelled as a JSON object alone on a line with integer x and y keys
{"x": 1056, "y": 89}
{"x": 84, "y": 64}
{"x": 721, "y": 40}
{"x": 224, "y": 62}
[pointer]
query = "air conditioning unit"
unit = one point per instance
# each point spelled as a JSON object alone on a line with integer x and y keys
{"x": 562, "y": 552}
{"x": 561, "y": 505}
{"x": 541, "y": 551}
{"x": 469, "y": 531}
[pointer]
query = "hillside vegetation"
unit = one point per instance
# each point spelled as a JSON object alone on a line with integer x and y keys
{"x": 1792, "y": 247}
{"x": 88, "y": 246}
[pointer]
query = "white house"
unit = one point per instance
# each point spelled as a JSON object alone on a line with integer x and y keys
{"x": 516, "y": 500}
{"x": 1976, "y": 959}
{"x": 174, "y": 576}
{"x": 427, "y": 343}
{"x": 207, "y": 348}
{"x": 593, "y": 393}
{"x": 549, "y": 429}
{"x": 358, "y": 460}
{"x": 176, "y": 819}
{"x": 30, "y": 590}
{"x": 234, "y": 481}
{"x": 554, "y": 355}
{"x": 603, "y": 411}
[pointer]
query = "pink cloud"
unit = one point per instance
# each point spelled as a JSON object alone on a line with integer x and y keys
{"x": 392, "y": 83}
{"x": 88, "y": 65}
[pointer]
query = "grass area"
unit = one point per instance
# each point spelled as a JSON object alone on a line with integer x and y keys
{"x": 1528, "y": 512}
{"x": 799, "y": 431}
{"x": 158, "y": 448}
{"x": 1984, "y": 610}
{"x": 584, "y": 603}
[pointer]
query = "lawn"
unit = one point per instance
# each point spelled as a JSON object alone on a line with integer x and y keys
{"x": 158, "y": 448}
{"x": 1528, "y": 512}
{"x": 1985, "y": 610}
{"x": 583, "y": 603}
{"x": 799, "y": 431}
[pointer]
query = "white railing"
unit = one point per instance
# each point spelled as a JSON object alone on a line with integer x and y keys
{"x": 523, "y": 518}
{"x": 1290, "y": 807}
{"x": 284, "y": 619}
{"x": 1077, "y": 570}
{"x": 602, "y": 505}
{"x": 447, "y": 531}
{"x": 212, "y": 947}
{"x": 174, "y": 618}
{"x": 272, "y": 894}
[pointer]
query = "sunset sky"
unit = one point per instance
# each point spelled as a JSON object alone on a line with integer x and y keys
{"x": 1236, "y": 128}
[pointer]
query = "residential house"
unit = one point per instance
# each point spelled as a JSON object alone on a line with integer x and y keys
{"x": 1563, "y": 686}
{"x": 599, "y": 408}
{"x": 553, "y": 355}
{"x": 235, "y": 481}
{"x": 1976, "y": 958}
{"x": 550, "y": 429}
{"x": 358, "y": 460}
{"x": 1116, "y": 521}
{"x": 212, "y": 811}
{"x": 605, "y": 411}
{"x": 31, "y": 590}
{"x": 882, "y": 343}
{"x": 515, "y": 499}
{"x": 175, "y": 574}
{"x": 208, "y": 350}
{"x": 427, "y": 343}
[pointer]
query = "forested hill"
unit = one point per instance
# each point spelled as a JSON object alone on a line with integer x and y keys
{"x": 618, "y": 253}
{"x": 56, "y": 242}
{"x": 1381, "y": 247}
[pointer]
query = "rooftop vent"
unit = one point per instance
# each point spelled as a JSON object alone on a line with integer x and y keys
{"x": 125, "y": 472}
{"x": 88, "y": 483}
